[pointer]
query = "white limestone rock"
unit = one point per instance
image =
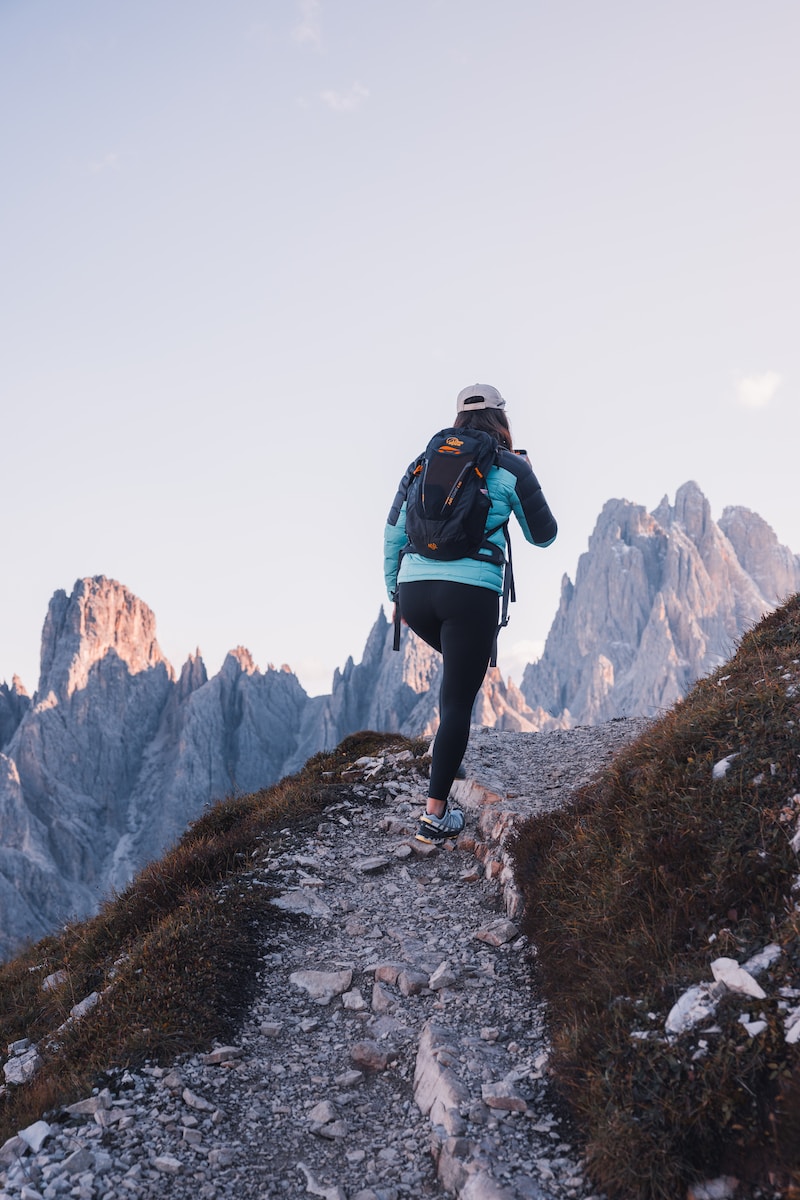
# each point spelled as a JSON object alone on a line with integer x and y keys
{"x": 322, "y": 986}
{"x": 302, "y": 900}
{"x": 659, "y": 600}
{"x": 438, "y": 1092}
{"x": 736, "y": 978}
{"x": 36, "y": 1135}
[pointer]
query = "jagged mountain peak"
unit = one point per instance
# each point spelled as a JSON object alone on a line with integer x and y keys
{"x": 239, "y": 660}
{"x": 659, "y": 599}
{"x": 193, "y": 674}
{"x": 692, "y": 510}
{"x": 17, "y": 686}
{"x": 99, "y": 617}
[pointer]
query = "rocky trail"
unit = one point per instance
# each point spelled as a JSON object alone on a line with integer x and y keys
{"x": 395, "y": 1048}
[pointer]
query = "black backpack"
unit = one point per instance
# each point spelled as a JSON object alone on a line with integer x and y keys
{"x": 448, "y": 506}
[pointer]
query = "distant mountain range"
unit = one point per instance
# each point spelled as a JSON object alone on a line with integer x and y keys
{"x": 104, "y": 767}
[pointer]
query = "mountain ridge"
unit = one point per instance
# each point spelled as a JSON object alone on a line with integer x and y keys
{"x": 117, "y": 752}
{"x": 659, "y": 600}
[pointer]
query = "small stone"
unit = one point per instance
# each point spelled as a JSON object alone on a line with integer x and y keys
{"x": 51, "y": 982}
{"x": 168, "y": 1164}
{"x": 451, "y": 1167}
{"x": 221, "y": 1156}
{"x": 12, "y": 1149}
{"x": 103, "y": 1162}
{"x": 172, "y": 1081}
{"x": 349, "y": 1079}
{"x": 503, "y": 1096}
{"x": 197, "y": 1102}
{"x": 272, "y": 1028}
{"x": 482, "y": 1187}
{"x": 79, "y": 1161}
{"x": 497, "y": 932}
{"x": 722, "y": 1188}
{"x": 370, "y": 1056}
{"x": 336, "y": 1129}
{"x": 23, "y": 1067}
{"x": 91, "y": 1105}
{"x": 353, "y": 1001}
{"x": 36, "y": 1135}
{"x": 442, "y": 977}
{"x": 373, "y": 866}
{"x": 387, "y": 972}
{"x": 222, "y": 1055}
{"x": 423, "y": 849}
{"x": 322, "y": 1113}
{"x": 322, "y": 986}
{"x": 315, "y": 1188}
{"x": 84, "y": 1006}
{"x": 302, "y": 900}
{"x": 411, "y": 983}
{"x": 381, "y": 1000}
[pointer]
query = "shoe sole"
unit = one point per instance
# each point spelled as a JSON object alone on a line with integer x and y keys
{"x": 435, "y": 837}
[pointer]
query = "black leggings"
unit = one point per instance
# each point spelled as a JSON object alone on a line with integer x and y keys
{"x": 460, "y": 621}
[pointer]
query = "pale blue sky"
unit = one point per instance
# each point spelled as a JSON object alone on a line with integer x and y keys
{"x": 250, "y": 252}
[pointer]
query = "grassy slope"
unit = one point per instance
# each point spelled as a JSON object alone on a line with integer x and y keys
{"x": 176, "y": 955}
{"x": 655, "y": 870}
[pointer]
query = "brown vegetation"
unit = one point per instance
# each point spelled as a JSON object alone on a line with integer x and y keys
{"x": 176, "y": 955}
{"x": 655, "y": 870}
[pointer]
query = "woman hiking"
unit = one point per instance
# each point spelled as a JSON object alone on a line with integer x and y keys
{"x": 452, "y": 601}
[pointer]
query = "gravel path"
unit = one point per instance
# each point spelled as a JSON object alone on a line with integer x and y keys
{"x": 396, "y": 1048}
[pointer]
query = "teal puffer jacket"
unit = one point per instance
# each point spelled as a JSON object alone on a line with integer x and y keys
{"x": 513, "y": 488}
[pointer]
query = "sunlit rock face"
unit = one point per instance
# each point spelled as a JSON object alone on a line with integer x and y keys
{"x": 14, "y": 703}
{"x": 114, "y": 756}
{"x": 659, "y": 600}
{"x": 68, "y": 770}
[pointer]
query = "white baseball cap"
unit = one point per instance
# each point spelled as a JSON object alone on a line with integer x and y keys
{"x": 479, "y": 395}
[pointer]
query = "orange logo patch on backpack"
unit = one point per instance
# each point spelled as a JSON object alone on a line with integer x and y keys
{"x": 451, "y": 446}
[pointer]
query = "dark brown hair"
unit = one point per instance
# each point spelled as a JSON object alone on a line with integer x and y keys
{"x": 490, "y": 420}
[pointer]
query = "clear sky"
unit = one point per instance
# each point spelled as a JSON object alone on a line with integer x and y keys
{"x": 251, "y": 251}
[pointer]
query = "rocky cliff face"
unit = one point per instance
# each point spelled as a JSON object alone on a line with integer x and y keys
{"x": 14, "y": 703}
{"x": 658, "y": 601}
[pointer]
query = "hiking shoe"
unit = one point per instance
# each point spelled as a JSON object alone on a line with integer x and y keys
{"x": 436, "y": 829}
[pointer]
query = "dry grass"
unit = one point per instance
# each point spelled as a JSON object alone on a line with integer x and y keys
{"x": 654, "y": 871}
{"x": 177, "y": 955}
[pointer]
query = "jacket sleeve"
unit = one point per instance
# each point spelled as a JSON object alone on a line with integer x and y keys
{"x": 394, "y": 535}
{"x": 528, "y": 502}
